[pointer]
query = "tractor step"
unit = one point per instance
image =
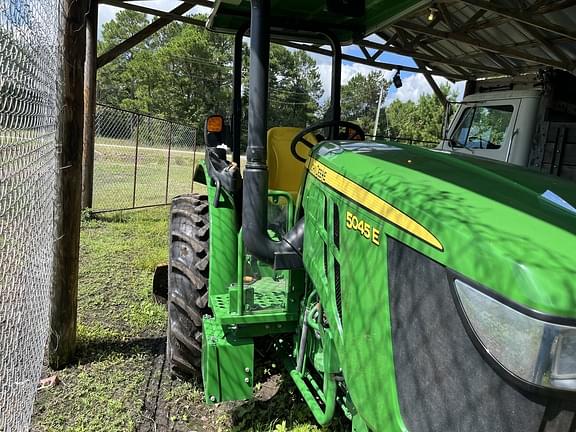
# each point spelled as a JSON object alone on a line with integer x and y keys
{"x": 264, "y": 302}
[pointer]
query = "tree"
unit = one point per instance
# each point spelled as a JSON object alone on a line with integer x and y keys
{"x": 184, "y": 72}
{"x": 116, "y": 82}
{"x": 196, "y": 75}
{"x": 295, "y": 88}
{"x": 360, "y": 98}
{"x": 181, "y": 72}
{"x": 419, "y": 121}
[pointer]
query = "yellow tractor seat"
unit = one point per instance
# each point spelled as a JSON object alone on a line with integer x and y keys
{"x": 285, "y": 172}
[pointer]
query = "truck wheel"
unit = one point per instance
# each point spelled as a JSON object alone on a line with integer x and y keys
{"x": 187, "y": 283}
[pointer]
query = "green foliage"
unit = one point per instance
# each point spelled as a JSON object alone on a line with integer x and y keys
{"x": 295, "y": 88}
{"x": 420, "y": 121}
{"x": 360, "y": 98}
{"x": 184, "y": 73}
{"x": 181, "y": 72}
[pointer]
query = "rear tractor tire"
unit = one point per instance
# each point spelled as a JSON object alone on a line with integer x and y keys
{"x": 187, "y": 283}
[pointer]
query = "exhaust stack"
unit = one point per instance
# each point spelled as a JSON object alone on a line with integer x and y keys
{"x": 286, "y": 253}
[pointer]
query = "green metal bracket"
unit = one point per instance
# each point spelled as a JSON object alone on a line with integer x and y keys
{"x": 358, "y": 425}
{"x": 227, "y": 364}
{"x": 327, "y": 395}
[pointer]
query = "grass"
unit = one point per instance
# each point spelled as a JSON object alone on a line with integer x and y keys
{"x": 114, "y": 166}
{"x": 119, "y": 381}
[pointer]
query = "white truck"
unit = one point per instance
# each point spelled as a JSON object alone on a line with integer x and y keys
{"x": 529, "y": 120}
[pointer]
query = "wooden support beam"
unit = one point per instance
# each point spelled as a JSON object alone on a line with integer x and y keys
{"x": 155, "y": 12}
{"x": 404, "y": 36}
{"x": 375, "y": 64}
{"x": 435, "y": 52}
{"x": 481, "y": 44}
{"x": 366, "y": 53}
{"x": 434, "y": 59}
{"x": 523, "y": 17}
{"x": 67, "y": 212}
{"x": 435, "y": 88}
{"x": 89, "y": 105}
{"x": 546, "y": 6}
{"x": 546, "y": 44}
{"x": 472, "y": 22}
{"x": 131, "y": 42}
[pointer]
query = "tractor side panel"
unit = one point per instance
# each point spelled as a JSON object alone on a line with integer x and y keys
{"x": 443, "y": 382}
{"x": 223, "y": 240}
{"x": 348, "y": 268}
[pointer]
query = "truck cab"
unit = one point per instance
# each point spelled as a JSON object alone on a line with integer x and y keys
{"x": 528, "y": 120}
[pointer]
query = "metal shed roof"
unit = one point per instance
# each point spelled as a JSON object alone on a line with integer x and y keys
{"x": 457, "y": 39}
{"x": 480, "y": 38}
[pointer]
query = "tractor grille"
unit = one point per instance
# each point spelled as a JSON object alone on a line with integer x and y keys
{"x": 337, "y": 289}
{"x": 443, "y": 382}
{"x": 325, "y": 246}
{"x": 336, "y": 237}
{"x": 336, "y": 225}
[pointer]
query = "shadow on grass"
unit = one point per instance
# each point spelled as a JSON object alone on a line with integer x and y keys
{"x": 90, "y": 350}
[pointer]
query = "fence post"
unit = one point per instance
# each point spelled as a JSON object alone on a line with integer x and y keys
{"x": 67, "y": 211}
{"x": 168, "y": 166}
{"x": 136, "y": 160}
{"x": 194, "y": 159}
{"x": 89, "y": 105}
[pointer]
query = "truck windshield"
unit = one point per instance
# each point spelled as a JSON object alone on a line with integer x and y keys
{"x": 483, "y": 127}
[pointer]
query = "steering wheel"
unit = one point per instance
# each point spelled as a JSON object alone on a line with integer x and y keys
{"x": 299, "y": 138}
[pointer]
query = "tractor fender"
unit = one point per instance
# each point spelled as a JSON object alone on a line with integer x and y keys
{"x": 200, "y": 173}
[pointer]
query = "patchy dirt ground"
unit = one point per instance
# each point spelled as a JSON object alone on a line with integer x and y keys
{"x": 119, "y": 380}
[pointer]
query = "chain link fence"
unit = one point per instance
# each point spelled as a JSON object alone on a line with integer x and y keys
{"x": 29, "y": 53}
{"x": 141, "y": 161}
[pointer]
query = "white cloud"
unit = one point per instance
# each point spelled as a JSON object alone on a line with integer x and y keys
{"x": 415, "y": 85}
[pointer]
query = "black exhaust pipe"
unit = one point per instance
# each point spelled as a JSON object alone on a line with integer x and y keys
{"x": 286, "y": 253}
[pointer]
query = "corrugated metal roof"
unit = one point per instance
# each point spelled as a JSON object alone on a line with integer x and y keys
{"x": 481, "y": 38}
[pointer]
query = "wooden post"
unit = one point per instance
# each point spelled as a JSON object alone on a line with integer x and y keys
{"x": 89, "y": 105}
{"x": 64, "y": 296}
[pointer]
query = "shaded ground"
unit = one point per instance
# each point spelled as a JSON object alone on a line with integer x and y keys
{"x": 119, "y": 381}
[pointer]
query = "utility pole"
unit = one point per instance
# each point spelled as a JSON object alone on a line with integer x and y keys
{"x": 378, "y": 112}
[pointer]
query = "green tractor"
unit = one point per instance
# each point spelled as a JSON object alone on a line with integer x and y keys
{"x": 412, "y": 289}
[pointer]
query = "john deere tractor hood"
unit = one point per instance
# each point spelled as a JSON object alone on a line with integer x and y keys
{"x": 509, "y": 227}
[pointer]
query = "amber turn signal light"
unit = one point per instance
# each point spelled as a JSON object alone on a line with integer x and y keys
{"x": 215, "y": 124}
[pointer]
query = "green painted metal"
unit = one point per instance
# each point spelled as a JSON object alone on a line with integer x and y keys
{"x": 227, "y": 364}
{"x": 265, "y": 300}
{"x": 492, "y": 223}
{"x": 327, "y": 365}
{"x": 483, "y": 212}
{"x": 491, "y": 220}
{"x": 323, "y": 415}
{"x": 223, "y": 238}
{"x": 228, "y": 18}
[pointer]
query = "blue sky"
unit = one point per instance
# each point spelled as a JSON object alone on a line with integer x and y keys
{"x": 414, "y": 85}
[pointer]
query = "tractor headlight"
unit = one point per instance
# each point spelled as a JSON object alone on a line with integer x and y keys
{"x": 533, "y": 350}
